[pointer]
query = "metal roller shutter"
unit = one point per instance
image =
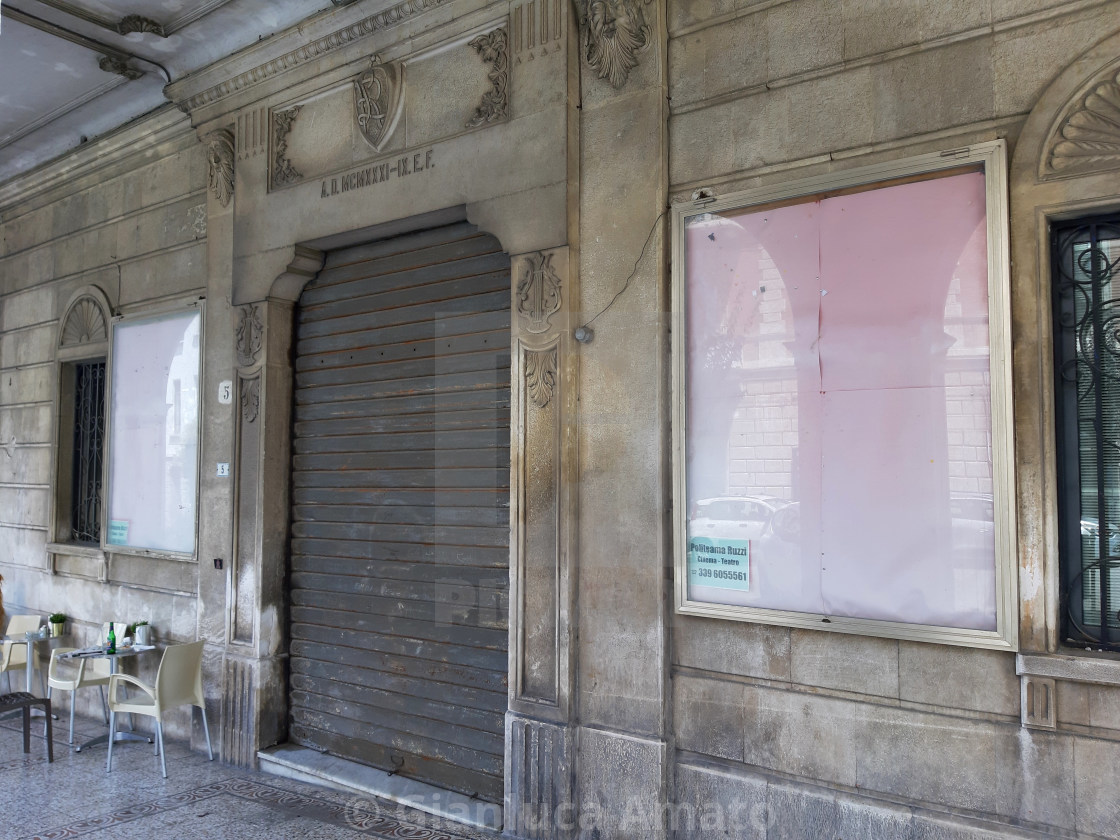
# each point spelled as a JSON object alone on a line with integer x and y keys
{"x": 400, "y": 508}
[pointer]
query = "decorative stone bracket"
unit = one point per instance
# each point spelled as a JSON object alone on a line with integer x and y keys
{"x": 219, "y": 155}
{"x": 612, "y": 33}
{"x": 1039, "y": 674}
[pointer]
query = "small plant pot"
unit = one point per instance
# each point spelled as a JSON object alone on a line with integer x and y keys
{"x": 58, "y": 628}
{"x": 142, "y": 635}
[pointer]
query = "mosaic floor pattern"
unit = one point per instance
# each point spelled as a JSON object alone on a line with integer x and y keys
{"x": 75, "y": 797}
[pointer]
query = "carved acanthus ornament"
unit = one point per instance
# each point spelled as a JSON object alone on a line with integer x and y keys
{"x": 282, "y": 170}
{"x": 540, "y": 375}
{"x": 250, "y": 334}
{"x": 250, "y": 399}
{"x": 377, "y": 99}
{"x": 219, "y": 153}
{"x": 1089, "y": 138}
{"x": 611, "y": 33}
{"x": 139, "y": 23}
{"x": 113, "y": 64}
{"x": 538, "y": 292}
{"x": 493, "y": 48}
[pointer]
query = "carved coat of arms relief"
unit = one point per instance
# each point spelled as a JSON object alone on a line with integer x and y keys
{"x": 377, "y": 101}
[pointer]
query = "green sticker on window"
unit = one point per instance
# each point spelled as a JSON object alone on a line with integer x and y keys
{"x": 118, "y": 532}
{"x": 724, "y": 564}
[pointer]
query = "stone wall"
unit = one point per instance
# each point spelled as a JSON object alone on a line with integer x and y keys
{"x": 795, "y": 733}
{"x": 633, "y": 720}
{"x": 125, "y": 218}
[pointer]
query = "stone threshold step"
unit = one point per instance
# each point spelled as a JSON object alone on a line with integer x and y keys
{"x": 307, "y": 765}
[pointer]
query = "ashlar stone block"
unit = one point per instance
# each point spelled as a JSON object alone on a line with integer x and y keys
{"x": 709, "y": 716}
{"x": 731, "y": 647}
{"x": 710, "y": 803}
{"x": 877, "y": 26}
{"x": 958, "y": 678}
{"x": 717, "y": 60}
{"x": 1096, "y": 767}
{"x": 848, "y": 663}
{"x": 1026, "y": 59}
{"x": 906, "y": 102}
{"x": 804, "y": 35}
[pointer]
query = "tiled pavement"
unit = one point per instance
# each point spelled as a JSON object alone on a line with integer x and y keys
{"x": 200, "y": 800}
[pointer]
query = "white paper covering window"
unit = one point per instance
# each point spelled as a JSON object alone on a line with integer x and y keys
{"x": 153, "y": 449}
{"x": 838, "y": 451}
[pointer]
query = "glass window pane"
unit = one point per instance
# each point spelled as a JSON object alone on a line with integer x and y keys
{"x": 1087, "y": 338}
{"x": 153, "y": 469}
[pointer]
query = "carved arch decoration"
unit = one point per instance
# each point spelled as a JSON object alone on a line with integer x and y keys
{"x": 1087, "y": 137}
{"x": 1065, "y": 165}
{"x": 84, "y": 325}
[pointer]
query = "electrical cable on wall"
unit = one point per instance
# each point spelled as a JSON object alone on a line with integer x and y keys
{"x": 584, "y": 334}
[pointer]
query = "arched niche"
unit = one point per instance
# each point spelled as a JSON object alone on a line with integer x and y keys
{"x": 1066, "y": 164}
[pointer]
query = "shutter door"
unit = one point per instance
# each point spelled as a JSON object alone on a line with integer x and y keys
{"x": 400, "y": 508}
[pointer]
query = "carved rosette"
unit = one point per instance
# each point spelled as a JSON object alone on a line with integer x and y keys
{"x": 538, "y": 292}
{"x": 250, "y": 335}
{"x": 377, "y": 101}
{"x": 282, "y": 170}
{"x": 119, "y": 66}
{"x": 219, "y": 154}
{"x": 612, "y": 32}
{"x": 493, "y": 48}
{"x": 1089, "y": 137}
{"x": 138, "y": 23}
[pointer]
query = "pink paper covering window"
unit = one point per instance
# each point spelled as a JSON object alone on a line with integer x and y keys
{"x": 838, "y": 389}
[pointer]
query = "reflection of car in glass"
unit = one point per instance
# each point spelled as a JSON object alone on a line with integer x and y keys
{"x": 785, "y": 524}
{"x": 1090, "y": 532}
{"x": 973, "y": 515}
{"x": 733, "y": 517}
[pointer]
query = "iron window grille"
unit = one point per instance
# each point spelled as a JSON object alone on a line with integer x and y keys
{"x": 1086, "y": 268}
{"x": 89, "y": 436}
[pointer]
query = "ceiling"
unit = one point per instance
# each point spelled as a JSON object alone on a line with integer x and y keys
{"x": 71, "y": 70}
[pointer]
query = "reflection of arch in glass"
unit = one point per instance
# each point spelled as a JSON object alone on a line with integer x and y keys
{"x": 751, "y": 318}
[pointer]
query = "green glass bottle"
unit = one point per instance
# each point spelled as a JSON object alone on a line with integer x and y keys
{"x": 112, "y": 640}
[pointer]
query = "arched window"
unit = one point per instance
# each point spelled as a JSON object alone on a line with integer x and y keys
{"x": 82, "y": 351}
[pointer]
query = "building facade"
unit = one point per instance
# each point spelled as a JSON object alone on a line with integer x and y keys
{"x": 430, "y": 246}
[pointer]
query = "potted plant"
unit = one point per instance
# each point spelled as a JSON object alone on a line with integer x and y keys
{"x": 58, "y": 624}
{"x": 142, "y": 633}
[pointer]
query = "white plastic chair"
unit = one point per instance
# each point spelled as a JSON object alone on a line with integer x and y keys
{"x": 14, "y": 657}
{"x": 178, "y": 683}
{"x": 70, "y": 675}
